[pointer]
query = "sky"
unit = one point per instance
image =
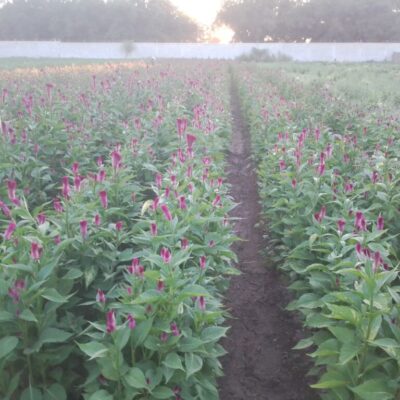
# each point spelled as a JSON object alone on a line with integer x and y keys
{"x": 203, "y": 11}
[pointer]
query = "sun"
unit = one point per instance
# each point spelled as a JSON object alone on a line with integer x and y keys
{"x": 222, "y": 34}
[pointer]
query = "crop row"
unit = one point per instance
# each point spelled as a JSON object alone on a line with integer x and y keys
{"x": 116, "y": 234}
{"x": 328, "y": 172}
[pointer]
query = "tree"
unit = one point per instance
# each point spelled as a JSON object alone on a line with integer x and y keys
{"x": 318, "y": 20}
{"x": 95, "y": 20}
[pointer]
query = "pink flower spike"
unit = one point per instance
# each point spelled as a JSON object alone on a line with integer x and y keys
{"x": 118, "y": 226}
{"x": 100, "y": 296}
{"x": 9, "y": 231}
{"x": 97, "y": 220}
{"x": 66, "y": 190}
{"x": 181, "y": 124}
{"x": 111, "y": 323}
{"x": 36, "y": 251}
{"x": 190, "y": 139}
{"x": 380, "y": 223}
{"x": 174, "y": 329}
{"x": 320, "y": 215}
{"x": 75, "y": 168}
{"x": 184, "y": 243}
{"x": 294, "y": 183}
{"x": 131, "y": 322}
{"x": 77, "y": 183}
{"x": 182, "y": 203}
{"x": 116, "y": 160}
{"x": 41, "y": 218}
{"x": 341, "y": 223}
{"x": 57, "y": 205}
{"x": 57, "y": 239}
{"x": 360, "y": 222}
{"x": 166, "y": 212}
{"x": 203, "y": 261}
{"x": 164, "y": 337}
{"x": 84, "y": 228}
{"x": 202, "y": 303}
{"x": 160, "y": 285}
{"x": 103, "y": 198}
{"x": 166, "y": 255}
{"x": 153, "y": 229}
{"x": 377, "y": 261}
{"x": 159, "y": 180}
{"x": 216, "y": 201}
{"x": 11, "y": 188}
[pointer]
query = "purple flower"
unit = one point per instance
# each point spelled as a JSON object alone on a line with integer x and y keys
{"x": 111, "y": 323}
{"x": 10, "y": 230}
{"x": 100, "y": 296}
{"x": 341, "y": 223}
{"x": 131, "y": 322}
{"x": 103, "y": 198}
{"x": 36, "y": 251}
{"x": 66, "y": 190}
{"x": 203, "y": 261}
{"x": 166, "y": 212}
{"x": 380, "y": 223}
{"x": 84, "y": 228}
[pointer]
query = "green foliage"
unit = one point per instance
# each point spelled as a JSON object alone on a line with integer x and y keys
{"x": 263, "y": 55}
{"x": 95, "y": 21}
{"x": 90, "y": 305}
{"x": 344, "y": 277}
{"x": 318, "y": 20}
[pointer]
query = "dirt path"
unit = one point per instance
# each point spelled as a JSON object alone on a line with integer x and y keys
{"x": 260, "y": 364}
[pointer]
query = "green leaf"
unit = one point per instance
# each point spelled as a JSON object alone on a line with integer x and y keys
{"x": 7, "y": 345}
{"x": 193, "y": 364}
{"x": 341, "y": 333}
{"x": 135, "y": 378}
{"x": 344, "y": 313}
{"x": 192, "y": 291}
{"x": 73, "y": 273}
{"x": 101, "y": 395}
{"x": 27, "y": 315}
{"x": 93, "y": 349}
{"x": 213, "y": 333}
{"x": 162, "y": 392}
{"x": 31, "y": 393}
{"x": 190, "y": 344}
{"x": 303, "y": 344}
{"x": 173, "y": 361}
{"x": 141, "y": 331}
{"x": 374, "y": 389}
{"x": 6, "y": 316}
{"x": 54, "y": 296}
{"x": 348, "y": 351}
{"x": 121, "y": 337}
{"x": 331, "y": 380}
{"x": 55, "y": 392}
{"x": 54, "y": 335}
{"x": 386, "y": 342}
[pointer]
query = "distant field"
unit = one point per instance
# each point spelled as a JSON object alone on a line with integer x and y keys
{"x": 11, "y": 63}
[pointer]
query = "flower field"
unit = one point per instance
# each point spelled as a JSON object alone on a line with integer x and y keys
{"x": 328, "y": 172}
{"x": 116, "y": 225}
{"x": 115, "y": 231}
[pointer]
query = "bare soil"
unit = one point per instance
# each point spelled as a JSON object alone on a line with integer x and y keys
{"x": 260, "y": 364}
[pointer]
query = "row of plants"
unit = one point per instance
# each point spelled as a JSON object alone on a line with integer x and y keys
{"x": 328, "y": 171}
{"x": 115, "y": 244}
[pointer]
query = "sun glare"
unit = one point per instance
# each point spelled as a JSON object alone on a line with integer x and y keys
{"x": 203, "y": 11}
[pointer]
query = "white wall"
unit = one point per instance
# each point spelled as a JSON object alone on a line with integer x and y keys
{"x": 341, "y": 52}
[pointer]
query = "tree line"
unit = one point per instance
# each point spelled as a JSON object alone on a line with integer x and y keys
{"x": 160, "y": 21}
{"x": 95, "y": 21}
{"x": 316, "y": 20}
